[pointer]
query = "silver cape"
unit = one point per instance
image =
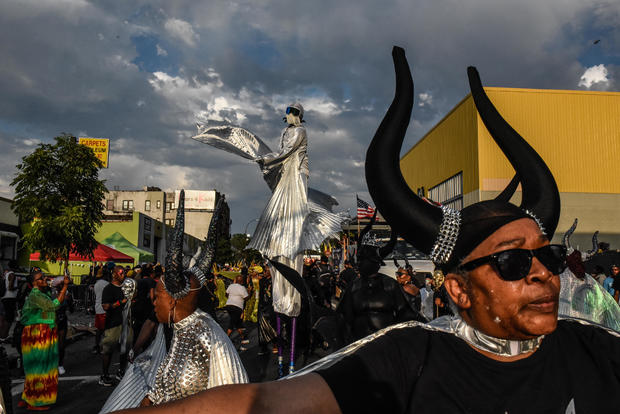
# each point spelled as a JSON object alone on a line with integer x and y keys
{"x": 201, "y": 356}
{"x": 139, "y": 377}
{"x": 129, "y": 288}
{"x": 296, "y": 218}
{"x": 580, "y": 300}
{"x": 587, "y": 299}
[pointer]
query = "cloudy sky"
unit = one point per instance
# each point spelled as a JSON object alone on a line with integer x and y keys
{"x": 143, "y": 73}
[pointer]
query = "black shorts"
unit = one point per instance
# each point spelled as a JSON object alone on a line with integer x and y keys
{"x": 234, "y": 312}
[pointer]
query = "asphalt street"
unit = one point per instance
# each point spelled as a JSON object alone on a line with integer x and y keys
{"x": 79, "y": 392}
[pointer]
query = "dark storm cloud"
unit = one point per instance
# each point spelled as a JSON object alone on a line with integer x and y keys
{"x": 142, "y": 73}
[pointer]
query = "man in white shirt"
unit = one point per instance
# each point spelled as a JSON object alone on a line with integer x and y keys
{"x": 237, "y": 295}
{"x": 99, "y": 311}
{"x": 426, "y": 295}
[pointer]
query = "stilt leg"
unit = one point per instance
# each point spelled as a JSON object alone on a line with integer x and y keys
{"x": 291, "y": 368}
{"x": 279, "y": 339}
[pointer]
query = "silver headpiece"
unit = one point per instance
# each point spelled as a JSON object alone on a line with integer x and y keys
{"x": 537, "y": 220}
{"x": 204, "y": 261}
{"x": 129, "y": 287}
{"x": 175, "y": 280}
{"x": 448, "y": 233}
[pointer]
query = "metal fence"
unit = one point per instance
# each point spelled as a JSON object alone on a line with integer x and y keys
{"x": 83, "y": 297}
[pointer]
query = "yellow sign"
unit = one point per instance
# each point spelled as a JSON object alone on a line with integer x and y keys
{"x": 100, "y": 146}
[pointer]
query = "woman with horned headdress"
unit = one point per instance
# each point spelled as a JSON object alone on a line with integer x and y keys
{"x": 504, "y": 351}
{"x": 200, "y": 355}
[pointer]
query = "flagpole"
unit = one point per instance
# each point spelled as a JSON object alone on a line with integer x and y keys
{"x": 358, "y": 217}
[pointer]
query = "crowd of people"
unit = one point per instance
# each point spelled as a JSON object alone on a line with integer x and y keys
{"x": 41, "y": 305}
{"x": 126, "y": 325}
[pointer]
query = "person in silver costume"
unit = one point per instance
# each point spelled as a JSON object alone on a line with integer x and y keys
{"x": 200, "y": 356}
{"x": 296, "y": 218}
{"x": 279, "y": 231}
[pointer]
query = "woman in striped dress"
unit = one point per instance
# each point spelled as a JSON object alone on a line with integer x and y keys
{"x": 40, "y": 344}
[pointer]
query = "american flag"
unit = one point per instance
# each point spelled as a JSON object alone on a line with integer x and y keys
{"x": 364, "y": 210}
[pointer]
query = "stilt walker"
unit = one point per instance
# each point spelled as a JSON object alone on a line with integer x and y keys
{"x": 295, "y": 219}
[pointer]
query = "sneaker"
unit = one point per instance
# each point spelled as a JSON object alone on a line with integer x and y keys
{"x": 105, "y": 381}
{"x": 95, "y": 350}
{"x": 245, "y": 341}
{"x": 242, "y": 348}
{"x": 119, "y": 376}
{"x": 61, "y": 370}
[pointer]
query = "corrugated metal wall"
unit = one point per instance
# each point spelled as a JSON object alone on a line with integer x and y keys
{"x": 447, "y": 149}
{"x": 577, "y": 133}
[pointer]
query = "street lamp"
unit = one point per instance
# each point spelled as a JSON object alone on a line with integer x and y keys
{"x": 245, "y": 230}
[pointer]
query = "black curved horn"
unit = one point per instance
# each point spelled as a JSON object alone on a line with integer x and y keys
{"x": 539, "y": 191}
{"x": 566, "y": 237}
{"x": 387, "y": 249}
{"x": 391, "y": 194}
{"x": 293, "y": 277}
{"x": 509, "y": 191}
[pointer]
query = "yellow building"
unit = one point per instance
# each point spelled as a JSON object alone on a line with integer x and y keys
{"x": 577, "y": 133}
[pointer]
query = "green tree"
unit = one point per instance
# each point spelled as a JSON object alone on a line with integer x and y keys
{"x": 58, "y": 191}
{"x": 238, "y": 243}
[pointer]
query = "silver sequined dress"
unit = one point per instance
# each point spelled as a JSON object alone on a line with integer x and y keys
{"x": 201, "y": 356}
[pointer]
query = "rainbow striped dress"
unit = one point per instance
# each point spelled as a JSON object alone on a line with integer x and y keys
{"x": 40, "y": 349}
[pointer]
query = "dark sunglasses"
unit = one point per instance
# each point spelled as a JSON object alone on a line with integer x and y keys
{"x": 291, "y": 110}
{"x": 515, "y": 264}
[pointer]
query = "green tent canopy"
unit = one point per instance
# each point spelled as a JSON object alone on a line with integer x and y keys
{"x": 118, "y": 242}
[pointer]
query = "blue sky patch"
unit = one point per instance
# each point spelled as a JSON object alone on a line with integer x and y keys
{"x": 154, "y": 56}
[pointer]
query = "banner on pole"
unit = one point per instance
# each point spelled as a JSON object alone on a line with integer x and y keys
{"x": 100, "y": 146}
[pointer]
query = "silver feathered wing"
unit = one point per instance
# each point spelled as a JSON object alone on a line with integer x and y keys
{"x": 320, "y": 221}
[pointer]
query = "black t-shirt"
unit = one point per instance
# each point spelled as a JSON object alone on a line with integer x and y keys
{"x": 144, "y": 288}
{"x": 415, "y": 370}
{"x": 616, "y": 283}
{"x": 143, "y": 306}
{"x": 114, "y": 315}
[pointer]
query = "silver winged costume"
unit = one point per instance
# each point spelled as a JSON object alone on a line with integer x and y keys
{"x": 296, "y": 218}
